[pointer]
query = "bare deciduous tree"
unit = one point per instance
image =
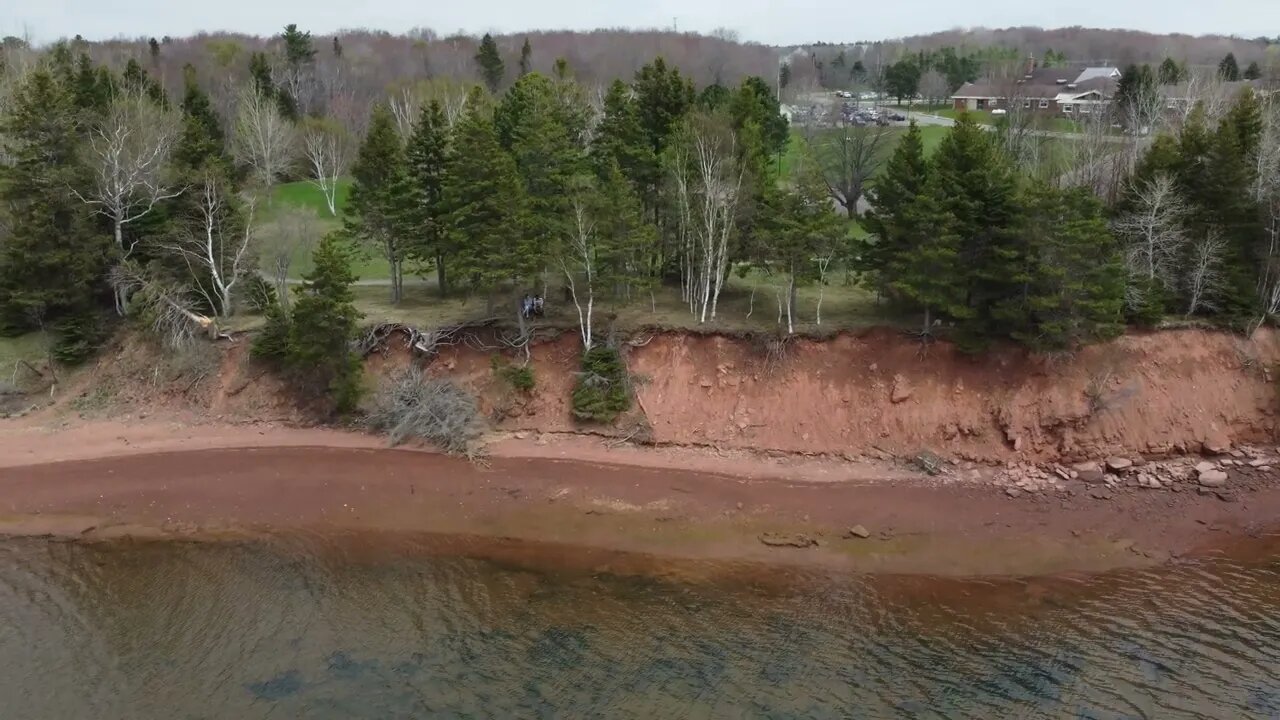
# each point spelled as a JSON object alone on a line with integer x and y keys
{"x": 578, "y": 261}
{"x": 216, "y": 245}
{"x": 294, "y": 234}
{"x": 849, "y": 156}
{"x": 708, "y": 181}
{"x": 1154, "y": 235}
{"x": 129, "y": 157}
{"x": 264, "y": 139}
{"x": 1204, "y": 276}
{"x": 329, "y": 151}
{"x": 934, "y": 88}
{"x": 168, "y": 305}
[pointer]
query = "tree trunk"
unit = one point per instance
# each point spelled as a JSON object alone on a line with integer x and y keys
{"x": 441, "y": 278}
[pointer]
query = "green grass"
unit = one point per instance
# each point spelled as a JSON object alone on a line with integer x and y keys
{"x": 931, "y": 135}
{"x": 305, "y": 194}
{"x": 31, "y": 348}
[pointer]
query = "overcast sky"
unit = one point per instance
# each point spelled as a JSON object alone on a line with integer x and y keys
{"x": 767, "y": 21}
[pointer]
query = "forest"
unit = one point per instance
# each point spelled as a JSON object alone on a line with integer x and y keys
{"x": 134, "y": 194}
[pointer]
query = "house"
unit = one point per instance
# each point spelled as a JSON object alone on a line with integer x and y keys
{"x": 1069, "y": 91}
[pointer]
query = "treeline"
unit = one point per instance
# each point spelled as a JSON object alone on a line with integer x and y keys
{"x": 1195, "y": 232}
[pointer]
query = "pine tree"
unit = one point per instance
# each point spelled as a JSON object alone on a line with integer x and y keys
{"x": 489, "y": 60}
{"x": 923, "y": 270}
{"x": 1246, "y": 117}
{"x": 754, "y": 101}
{"x": 526, "y": 58}
{"x": 1228, "y": 69}
{"x": 323, "y": 326}
{"x": 629, "y": 241}
{"x": 52, "y": 262}
{"x": 663, "y": 97}
{"x": 1253, "y": 72}
{"x": 375, "y": 206}
{"x": 483, "y": 200}
{"x": 154, "y": 48}
{"x": 424, "y": 215}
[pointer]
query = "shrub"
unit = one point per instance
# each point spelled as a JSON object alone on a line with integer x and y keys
{"x": 259, "y": 295}
{"x": 78, "y": 337}
{"x": 520, "y": 379}
{"x": 412, "y": 405}
{"x": 272, "y": 343}
{"x": 602, "y": 391}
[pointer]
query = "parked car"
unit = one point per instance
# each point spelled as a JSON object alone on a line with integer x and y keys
{"x": 897, "y": 117}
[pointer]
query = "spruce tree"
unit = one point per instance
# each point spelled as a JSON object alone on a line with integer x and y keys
{"x": 53, "y": 261}
{"x": 375, "y": 206}
{"x": 526, "y": 58}
{"x": 754, "y": 101}
{"x": 202, "y": 140}
{"x": 1228, "y": 69}
{"x": 483, "y": 200}
{"x": 1170, "y": 72}
{"x": 1075, "y": 289}
{"x": 629, "y": 242}
{"x": 620, "y": 138}
{"x": 324, "y": 325}
{"x": 902, "y": 180}
{"x": 424, "y": 213}
{"x": 1253, "y": 72}
{"x": 489, "y": 60}
{"x": 923, "y": 269}
{"x": 975, "y": 184}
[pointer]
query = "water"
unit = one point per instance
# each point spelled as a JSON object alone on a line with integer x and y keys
{"x": 327, "y": 628}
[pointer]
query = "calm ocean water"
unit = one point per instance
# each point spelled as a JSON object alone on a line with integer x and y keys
{"x": 303, "y": 628}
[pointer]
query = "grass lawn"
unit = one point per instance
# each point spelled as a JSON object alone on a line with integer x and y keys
{"x": 931, "y": 135}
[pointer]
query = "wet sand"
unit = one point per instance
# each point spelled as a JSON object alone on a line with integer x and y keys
{"x": 580, "y": 501}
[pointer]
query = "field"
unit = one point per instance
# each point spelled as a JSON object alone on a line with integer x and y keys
{"x": 931, "y": 135}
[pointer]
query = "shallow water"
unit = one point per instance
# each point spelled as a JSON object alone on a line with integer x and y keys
{"x": 312, "y": 628}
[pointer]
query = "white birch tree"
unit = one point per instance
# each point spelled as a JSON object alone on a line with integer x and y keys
{"x": 1204, "y": 275}
{"x": 1154, "y": 235}
{"x": 264, "y": 139}
{"x": 329, "y": 151}
{"x": 578, "y": 261}
{"x": 217, "y": 242}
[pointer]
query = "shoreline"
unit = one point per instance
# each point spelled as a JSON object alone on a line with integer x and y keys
{"x": 545, "y": 499}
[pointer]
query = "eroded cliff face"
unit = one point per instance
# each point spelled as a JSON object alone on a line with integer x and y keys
{"x": 872, "y": 394}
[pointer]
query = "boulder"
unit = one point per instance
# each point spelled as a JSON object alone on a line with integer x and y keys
{"x": 860, "y": 532}
{"x": 1213, "y": 479}
{"x": 1117, "y": 464}
{"x": 1092, "y": 477}
{"x": 1216, "y": 442}
{"x": 1206, "y": 466}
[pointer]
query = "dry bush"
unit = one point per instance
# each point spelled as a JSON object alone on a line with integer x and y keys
{"x": 411, "y": 405}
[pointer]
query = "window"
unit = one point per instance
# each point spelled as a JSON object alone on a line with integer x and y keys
{"x": 1044, "y": 104}
{"x": 1085, "y": 109}
{"x": 1026, "y": 103}
{"x": 1067, "y": 108}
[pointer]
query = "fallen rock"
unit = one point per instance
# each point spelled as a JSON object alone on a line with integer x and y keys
{"x": 1101, "y": 494}
{"x": 1116, "y": 464}
{"x": 796, "y": 540}
{"x": 1213, "y": 479}
{"x": 1092, "y": 477}
{"x": 1206, "y": 466}
{"x": 860, "y": 532}
{"x": 1217, "y": 443}
{"x": 1013, "y": 492}
{"x": 901, "y": 390}
{"x": 1257, "y": 463}
{"x": 1226, "y": 496}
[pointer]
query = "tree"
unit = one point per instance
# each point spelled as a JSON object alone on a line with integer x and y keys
{"x": 1228, "y": 69}
{"x": 294, "y": 235}
{"x": 216, "y": 241}
{"x": 128, "y": 154}
{"x": 1075, "y": 292}
{"x": 52, "y": 263}
{"x": 323, "y": 325}
{"x": 298, "y": 73}
{"x": 1253, "y": 72}
{"x": 849, "y": 156}
{"x": 904, "y": 178}
{"x": 483, "y": 201}
{"x": 754, "y": 103}
{"x": 264, "y": 138}
{"x": 663, "y": 97}
{"x": 923, "y": 266}
{"x": 620, "y": 138}
{"x": 201, "y": 140}
{"x": 327, "y": 147}
{"x": 425, "y": 221}
{"x": 1170, "y": 72}
{"x": 706, "y": 179}
{"x": 377, "y": 201}
{"x": 489, "y": 60}
{"x": 154, "y": 48}
{"x": 902, "y": 79}
{"x": 526, "y": 58}
{"x": 1153, "y": 230}
{"x": 934, "y": 88}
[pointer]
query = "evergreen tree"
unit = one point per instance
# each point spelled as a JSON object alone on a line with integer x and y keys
{"x": 526, "y": 58}
{"x": 489, "y": 60}
{"x": 154, "y": 47}
{"x": 337, "y": 47}
{"x": 903, "y": 179}
{"x": 1170, "y": 72}
{"x": 1228, "y": 69}
{"x": 52, "y": 262}
{"x": 1075, "y": 288}
{"x": 202, "y": 140}
{"x": 1253, "y": 72}
{"x": 784, "y": 75}
{"x": 755, "y": 102}
{"x": 375, "y": 206}
{"x": 923, "y": 267}
{"x": 714, "y": 97}
{"x": 620, "y": 138}
{"x": 629, "y": 242}
{"x": 424, "y": 216}
{"x": 1246, "y": 118}
{"x": 663, "y": 97}
{"x": 260, "y": 75}
{"x": 902, "y": 79}
{"x": 975, "y": 184}
{"x": 324, "y": 325}
{"x": 483, "y": 200}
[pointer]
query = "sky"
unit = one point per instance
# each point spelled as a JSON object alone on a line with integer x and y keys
{"x": 776, "y": 22}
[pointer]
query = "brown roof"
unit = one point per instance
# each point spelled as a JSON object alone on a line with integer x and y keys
{"x": 1042, "y": 83}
